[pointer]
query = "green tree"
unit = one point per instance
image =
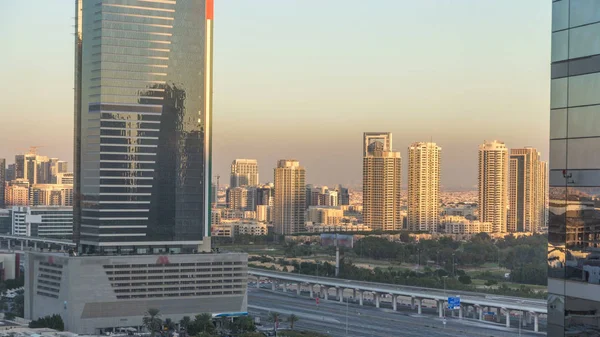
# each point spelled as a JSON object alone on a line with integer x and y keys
{"x": 185, "y": 322}
{"x": 19, "y": 305}
{"x": 464, "y": 279}
{"x": 274, "y": 317}
{"x": 202, "y": 323}
{"x": 243, "y": 324}
{"x": 490, "y": 283}
{"x": 152, "y": 321}
{"x": 292, "y": 319}
{"x": 52, "y": 322}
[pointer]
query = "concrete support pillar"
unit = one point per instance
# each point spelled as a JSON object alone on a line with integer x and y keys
{"x": 284, "y": 286}
{"x": 298, "y": 289}
{"x": 273, "y": 285}
{"x": 325, "y": 293}
{"x": 507, "y": 318}
{"x": 62, "y": 247}
{"x": 419, "y": 305}
{"x": 440, "y": 306}
{"x": 376, "y": 299}
{"x": 21, "y": 244}
{"x": 360, "y": 297}
{"x": 460, "y": 312}
{"x": 535, "y": 322}
{"x": 480, "y": 309}
{"x": 412, "y": 303}
{"x": 395, "y": 302}
{"x": 340, "y": 294}
{"x": 354, "y": 294}
{"x": 9, "y": 245}
{"x": 35, "y": 245}
{"x": 258, "y": 283}
{"x": 498, "y": 312}
{"x": 523, "y": 318}
{"x": 310, "y": 289}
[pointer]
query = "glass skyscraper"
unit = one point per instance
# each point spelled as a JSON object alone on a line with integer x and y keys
{"x": 574, "y": 216}
{"x": 143, "y": 104}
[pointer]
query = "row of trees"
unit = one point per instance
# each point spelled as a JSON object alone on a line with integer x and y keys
{"x": 525, "y": 256}
{"x": 201, "y": 325}
{"x": 53, "y": 322}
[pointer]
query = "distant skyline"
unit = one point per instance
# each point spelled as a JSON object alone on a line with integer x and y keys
{"x": 455, "y": 72}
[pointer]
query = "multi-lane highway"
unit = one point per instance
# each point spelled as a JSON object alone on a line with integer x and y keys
{"x": 362, "y": 321}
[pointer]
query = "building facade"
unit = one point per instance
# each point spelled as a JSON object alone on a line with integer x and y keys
{"x": 244, "y": 172}
{"x": 16, "y": 192}
{"x": 324, "y": 215}
{"x": 382, "y": 172}
{"x": 123, "y": 290}
{"x": 290, "y": 197}
{"x": 2, "y": 181}
{"x": 143, "y": 106}
{"x": 51, "y": 195}
{"x": 525, "y": 200}
{"x": 574, "y": 216}
{"x": 423, "y": 187}
{"x": 343, "y": 195}
{"x": 43, "y": 221}
{"x": 493, "y": 184}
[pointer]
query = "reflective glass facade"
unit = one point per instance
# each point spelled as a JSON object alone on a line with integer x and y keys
{"x": 142, "y": 124}
{"x": 574, "y": 206}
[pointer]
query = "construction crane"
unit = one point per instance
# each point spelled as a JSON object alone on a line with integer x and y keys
{"x": 33, "y": 149}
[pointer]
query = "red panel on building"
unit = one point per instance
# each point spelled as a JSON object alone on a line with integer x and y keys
{"x": 210, "y": 9}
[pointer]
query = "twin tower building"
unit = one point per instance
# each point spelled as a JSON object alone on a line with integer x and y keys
{"x": 512, "y": 192}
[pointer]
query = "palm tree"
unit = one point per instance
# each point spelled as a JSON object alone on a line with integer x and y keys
{"x": 274, "y": 317}
{"x": 152, "y": 320}
{"x": 204, "y": 323}
{"x": 292, "y": 319}
{"x": 185, "y": 323}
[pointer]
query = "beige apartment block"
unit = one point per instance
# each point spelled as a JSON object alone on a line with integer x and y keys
{"x": 423, "y": 187}
{"x": 382, "y": 172}
{"x": 493, "y": 184}
{"x": 290, "y": 197}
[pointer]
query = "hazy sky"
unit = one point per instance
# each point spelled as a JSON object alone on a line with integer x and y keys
{"x": 304, "y": 79}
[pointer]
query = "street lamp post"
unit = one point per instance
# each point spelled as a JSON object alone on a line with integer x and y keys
{"x": 453, "y": 264}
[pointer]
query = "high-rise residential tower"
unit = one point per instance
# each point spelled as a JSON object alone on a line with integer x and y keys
{"x": 423, "y": 186}
{"x": 290, "y": 197}
{"x": 382, "y": 170}
{"x": 574, "y": 216}
{"x": 142, "y": 169}
{"x": 343, "y": 195}
{"x": 244, "y": 172}
{"x": 523, "y": 191}
{"x": 493, "y": 184}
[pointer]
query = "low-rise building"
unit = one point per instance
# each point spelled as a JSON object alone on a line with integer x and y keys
{"x": 454, "y": 224}
{"x": 100, "y": 292}
{"x": 346, "y": 227}
{"x": 233, "y": 228}
{"x": 324, "y": 215}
